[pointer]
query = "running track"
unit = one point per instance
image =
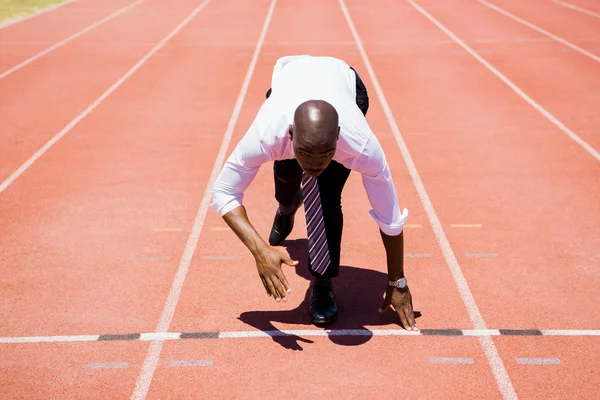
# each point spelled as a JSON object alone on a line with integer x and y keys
{"x": 117, "y": 283}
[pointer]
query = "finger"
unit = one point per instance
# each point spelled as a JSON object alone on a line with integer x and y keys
{"x": 265, "y": 285}
{"x": 287, "y": 260}
{"x": 284, "y": 281}
{"x": 272, "y": 289}
{"x": 403, "y": 320}
{"x": 279, "y": 288}
{"x": 386, "y": 302}
{"x": 409, "y": 318}
{"x": 410, "y": 315}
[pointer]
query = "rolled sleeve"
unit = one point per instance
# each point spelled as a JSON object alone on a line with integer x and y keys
{"x": 239, "y": 171}
{"x": 381, "y": 191}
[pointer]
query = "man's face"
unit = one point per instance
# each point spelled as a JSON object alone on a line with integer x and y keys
{"x": 313, "y": 155}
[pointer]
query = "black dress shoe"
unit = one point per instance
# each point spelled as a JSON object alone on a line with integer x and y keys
{"x": 283, "y": 224}
{"x": 323, "y": 308}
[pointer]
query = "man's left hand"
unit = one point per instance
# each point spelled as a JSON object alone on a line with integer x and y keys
{"x": 401, "y": 300}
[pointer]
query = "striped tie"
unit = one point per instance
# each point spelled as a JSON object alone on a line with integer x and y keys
{"x": 317, "y": 239}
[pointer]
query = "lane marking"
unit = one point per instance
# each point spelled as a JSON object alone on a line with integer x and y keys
{"x": 509, "y": 83}
{"x": 218, "y": 257}
{"x": 520, "y": 332}
{"x": 151, "y": 336}
{"x": 96, "y": 102}
{"x": 67, "y": 40}
{"x": 149, "y": 366}
{"x": 49, "y": 339}
{"x": 577, "y": 8}
{"x": 504, "y": 384}
{"x": 466, "y": 225}
{"x": 537, "y": 361}
{"x": 143, "y": 259}
{"x": 570, "y": 332}
{"x": 442, "y": 332}
{"x": 30, "y": 16}
{"x": 107, "y": 365}
{"x": 481, "y": 332}
{"x": 481, "y": 255}
{"x": 199, "y": 335}
{"x": 191, "y": 363}
{"x": 443, "y": 360}
{"x": 417, "y": 255}
{"x": 540, "y": 30}
{"x": 127, "y": 336}
{"x": 163, "y": 336}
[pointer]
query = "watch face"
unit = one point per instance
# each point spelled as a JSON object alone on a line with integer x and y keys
{"x": 400, "y": 283}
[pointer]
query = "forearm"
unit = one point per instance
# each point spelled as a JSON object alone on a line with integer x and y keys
{"x": 394, "y": 248}
{"x": 238, "y": 221}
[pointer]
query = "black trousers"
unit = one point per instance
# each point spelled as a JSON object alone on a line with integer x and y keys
{"x": 288, "y": 177}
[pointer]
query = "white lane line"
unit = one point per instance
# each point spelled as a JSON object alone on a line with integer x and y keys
{"x": 481, "y": 332}
{"x": 577, "y": 8}
{"x": 537, "y": 361}
{"x": 191, "y": 363}
{"x": 151, "y": 361}
{"x": 107, "y": 365}
{"x": 162, "y": 336}
{"x": 570, "y": 332}
{"x": 50, "y": 339}
{"x": 540, "y": 30}
{"x": 444, "y": 360}
{"x": 510, "y": 84}
{"x": 96, "y": 103}
{"x": 67, "y": 40}
{"x": 40, "y": 12}
{"x": 144, "y": 259}
{"x": 504, "y": 384}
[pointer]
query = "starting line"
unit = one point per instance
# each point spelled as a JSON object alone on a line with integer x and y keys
{"x": 162, "y": 336}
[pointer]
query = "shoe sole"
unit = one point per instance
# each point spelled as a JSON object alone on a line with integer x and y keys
{"x": 317, "y": 321}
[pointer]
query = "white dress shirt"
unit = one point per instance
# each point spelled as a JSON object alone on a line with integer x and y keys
{"x": 295, "y": 80}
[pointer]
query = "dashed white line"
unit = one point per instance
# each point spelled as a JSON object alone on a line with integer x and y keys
{"x": 537, "y": 361}
{"x": 163, "y": 336}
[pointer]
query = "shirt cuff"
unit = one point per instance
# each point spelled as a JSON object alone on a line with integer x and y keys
{"x": 393, "y": 229}
{"x": 224, "y": 208}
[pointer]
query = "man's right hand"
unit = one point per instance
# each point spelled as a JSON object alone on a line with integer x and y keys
{"x": 268, "y": 263}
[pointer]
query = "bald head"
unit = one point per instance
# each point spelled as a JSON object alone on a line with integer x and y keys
{"x": 316, "y": 122}
{"x": 314, "y": 135}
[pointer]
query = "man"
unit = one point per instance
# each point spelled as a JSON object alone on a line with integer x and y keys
{"x": 313, "y": 127}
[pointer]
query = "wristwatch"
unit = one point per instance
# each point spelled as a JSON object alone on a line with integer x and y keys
{"x": 400, "y": 283}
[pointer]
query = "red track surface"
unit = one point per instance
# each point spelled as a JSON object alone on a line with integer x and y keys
{"x": 94, "y": 231}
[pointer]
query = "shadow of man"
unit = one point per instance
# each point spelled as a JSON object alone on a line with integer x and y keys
{"x": 359, "y": 294}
